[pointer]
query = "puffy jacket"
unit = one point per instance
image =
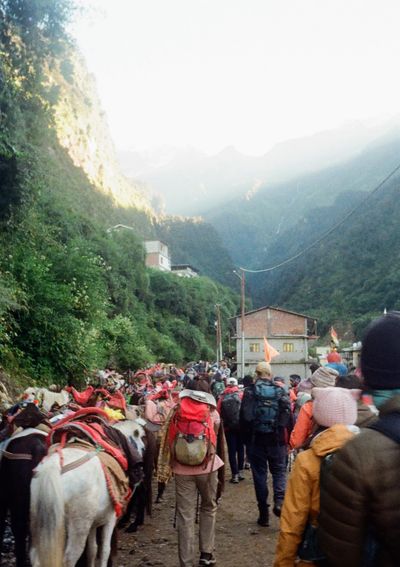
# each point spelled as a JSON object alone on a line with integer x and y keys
{"x": 302, "y": 493}
{"x": 363, "y": 493}
{"x": 304, "y": 426}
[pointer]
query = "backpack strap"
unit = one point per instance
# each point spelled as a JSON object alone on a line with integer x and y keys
{"x": 388, "y": 425}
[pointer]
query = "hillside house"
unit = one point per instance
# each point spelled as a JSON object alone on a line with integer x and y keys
{"x": 184, "y": 270}
{"x": 157, "y": 255}
{"x": 288, "y": 332}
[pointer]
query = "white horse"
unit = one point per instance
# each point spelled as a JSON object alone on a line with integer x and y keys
{"x": 46, "y": 398}
{"x": 67, "y": 509}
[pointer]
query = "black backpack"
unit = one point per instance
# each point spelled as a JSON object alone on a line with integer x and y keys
{"x": 230, "y": 411}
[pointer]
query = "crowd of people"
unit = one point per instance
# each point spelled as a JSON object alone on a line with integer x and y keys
{"x": 329, "y": 441}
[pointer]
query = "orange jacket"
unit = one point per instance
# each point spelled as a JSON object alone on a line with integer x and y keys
{"x": 303, "y": 428}
{"x": 302, "y": 494}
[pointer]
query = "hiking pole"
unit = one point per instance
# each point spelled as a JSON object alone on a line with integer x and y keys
{"x": 175, "y": 514}
{"x": 197, "y": 507}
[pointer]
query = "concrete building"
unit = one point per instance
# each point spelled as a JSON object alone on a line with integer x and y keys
{"x": 157, "y": 255}
{"x": 184, "y": 270}
{"x": 288, "y": 332}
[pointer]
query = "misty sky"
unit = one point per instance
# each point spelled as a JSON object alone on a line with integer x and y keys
{"x": 248, "y": 73}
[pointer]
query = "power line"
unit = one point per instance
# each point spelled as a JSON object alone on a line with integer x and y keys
{"x": 328, "y": 232}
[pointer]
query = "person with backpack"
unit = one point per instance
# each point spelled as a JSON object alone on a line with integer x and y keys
{"x": 229, "y": 409}
{"x": 335, "y": 412}
{"x": 217, "y": 384}
{"x": 189, "y": 447}
{"x": 264, "y": 416}
{"x": 360, "y": 500}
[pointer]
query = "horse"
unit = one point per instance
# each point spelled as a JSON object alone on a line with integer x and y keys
{"x": 71, "y": 510}
{"x": 145, "y": 442}
{"x": 20, "y": 454}
{"x": 47, "y": 398}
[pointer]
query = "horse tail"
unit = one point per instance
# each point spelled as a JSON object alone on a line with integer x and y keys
{"x": 47, "y": 515}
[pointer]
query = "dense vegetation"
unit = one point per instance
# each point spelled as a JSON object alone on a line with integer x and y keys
{"x": 194, "y": 241}
{"x": 73, "y": 295}
{"x": 253, "y": 228}
{"x": 352, "y": 275}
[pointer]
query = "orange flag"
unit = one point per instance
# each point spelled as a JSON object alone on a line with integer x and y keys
{"x": 334, "y": 336}
{"x": 269, "y": 351}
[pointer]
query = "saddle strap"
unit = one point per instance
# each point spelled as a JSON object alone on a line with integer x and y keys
{"x": 75, "y": 464}
{"x": 17, "y": 456}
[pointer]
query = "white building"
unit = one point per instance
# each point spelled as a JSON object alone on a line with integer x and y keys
{"x": 184, "y": 270}
{"x": 157, "y": 255}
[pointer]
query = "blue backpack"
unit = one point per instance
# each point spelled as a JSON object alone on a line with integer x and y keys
{"x": 266, "y": 406}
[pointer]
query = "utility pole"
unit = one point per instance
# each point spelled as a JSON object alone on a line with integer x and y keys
{"x": 219, "y": 333}
{"x": 242, "y": 319}
{"x": 242, "y": 302}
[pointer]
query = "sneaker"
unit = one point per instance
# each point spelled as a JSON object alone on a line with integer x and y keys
{"x": 247, "y": 466}
{"x": 241, "y": 476}
{"x": 234, "y": 479}
{"x": 207, "y": 559}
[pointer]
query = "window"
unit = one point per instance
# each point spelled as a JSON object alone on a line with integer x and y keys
{"x": 254, "y": 347}
{"x": 288, "y": 347}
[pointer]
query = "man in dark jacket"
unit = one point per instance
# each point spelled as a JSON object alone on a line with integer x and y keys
{"x": 359, "y": 522}
{"x": 264, "y": 415}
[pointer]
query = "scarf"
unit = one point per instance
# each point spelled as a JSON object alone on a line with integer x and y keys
{"x": 382, "y": 396}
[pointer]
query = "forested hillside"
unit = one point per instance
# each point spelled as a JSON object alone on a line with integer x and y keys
{"x": 351, "y": 276}
{"x": 73, "y": 295}
{"x": 253, "y": 229}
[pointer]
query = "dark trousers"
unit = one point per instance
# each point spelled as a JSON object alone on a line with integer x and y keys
{"x": 273, "y": 457}
{"x": 235, "y": 445}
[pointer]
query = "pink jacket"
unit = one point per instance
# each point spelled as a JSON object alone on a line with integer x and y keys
{"x": 157, "y": 412}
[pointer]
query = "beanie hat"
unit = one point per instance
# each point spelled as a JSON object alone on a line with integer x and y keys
{"x": 335, "y": 406}
{"x": 334, "y": 357}
{"x": 380, "y": 353}
{"x": 324, "y": 377}
{"x": 305, "y": 386}
{"x": 232, "y": 382}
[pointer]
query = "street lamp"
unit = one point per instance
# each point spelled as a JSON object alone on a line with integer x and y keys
{"x": 242, "y": 282}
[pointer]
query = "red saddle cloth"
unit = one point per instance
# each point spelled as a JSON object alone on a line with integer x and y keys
{"x": 115, "y": 400}
{"x": 88, "y": 424}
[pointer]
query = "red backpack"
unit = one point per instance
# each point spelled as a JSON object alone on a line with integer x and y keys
{"x": 191, "y": 436}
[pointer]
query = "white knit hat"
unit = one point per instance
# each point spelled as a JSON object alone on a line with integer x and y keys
{"x": 335, "y": 406}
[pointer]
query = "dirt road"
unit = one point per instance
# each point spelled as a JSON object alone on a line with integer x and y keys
{"x": 240, "y": 542}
